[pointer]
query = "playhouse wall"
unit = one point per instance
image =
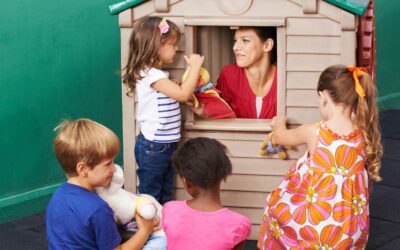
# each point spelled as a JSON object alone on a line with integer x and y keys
{"x": 307, "y": 44}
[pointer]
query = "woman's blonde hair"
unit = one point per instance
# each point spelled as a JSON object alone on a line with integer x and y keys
{"x": 86, "y": 141}
{"x": 339, "y": 82}
{"x": 146, "y": 39}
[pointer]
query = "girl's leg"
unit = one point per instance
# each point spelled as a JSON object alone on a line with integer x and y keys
{"x": 152, "y": 164}
{"x": 166, "y": 193}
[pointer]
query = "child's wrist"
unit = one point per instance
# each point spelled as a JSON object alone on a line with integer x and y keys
{"x": 144, "y": 232}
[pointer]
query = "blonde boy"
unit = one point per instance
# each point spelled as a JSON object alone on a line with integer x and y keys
{"x": 76, "y": 217}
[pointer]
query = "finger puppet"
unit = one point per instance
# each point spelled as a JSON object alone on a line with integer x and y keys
{"x": 269, "y": 146}
{"x": 207, "y": 94}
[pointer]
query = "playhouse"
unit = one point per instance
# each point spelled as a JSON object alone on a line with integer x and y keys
{"x": 311, "y": 35}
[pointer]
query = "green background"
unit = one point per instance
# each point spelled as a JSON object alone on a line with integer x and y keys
{"x": 60, "y": 59}
{"x": 387, "y": 52}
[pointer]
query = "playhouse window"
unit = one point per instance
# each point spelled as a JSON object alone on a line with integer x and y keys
{"x": 215, "y": 43}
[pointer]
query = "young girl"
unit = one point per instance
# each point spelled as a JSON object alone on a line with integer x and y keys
{"x": 202, "y": 222}
{"x": 153, "y": 43}
{"x": 323, "y": 201}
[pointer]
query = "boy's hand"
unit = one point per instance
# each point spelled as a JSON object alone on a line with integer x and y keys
{"x": 144, "y": 225}
{"x": 156, "y": 224}
{"x": 194, "y": 60}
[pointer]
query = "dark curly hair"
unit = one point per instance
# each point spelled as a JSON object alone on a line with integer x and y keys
{"x": 202, "y": 161}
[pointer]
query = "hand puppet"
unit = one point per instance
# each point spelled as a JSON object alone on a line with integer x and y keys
{"x": 209, "y": 96}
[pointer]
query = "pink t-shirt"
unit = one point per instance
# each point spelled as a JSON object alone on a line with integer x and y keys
{"x": 187, "y": 228}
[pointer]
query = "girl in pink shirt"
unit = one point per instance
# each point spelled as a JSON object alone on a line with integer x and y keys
{"x": 202, "y": 222}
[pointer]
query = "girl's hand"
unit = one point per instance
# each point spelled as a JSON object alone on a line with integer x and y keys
{"x": 278, "y": 121}
{"x": 194, "y": 60}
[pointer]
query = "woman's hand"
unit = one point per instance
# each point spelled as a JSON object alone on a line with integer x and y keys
{"x": 198, "y": 111}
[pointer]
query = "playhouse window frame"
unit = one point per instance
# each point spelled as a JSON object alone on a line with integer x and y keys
{"x": 193, "y": 122}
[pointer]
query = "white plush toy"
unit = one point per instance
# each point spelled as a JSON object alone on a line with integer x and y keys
{"x": 125, "y": 204}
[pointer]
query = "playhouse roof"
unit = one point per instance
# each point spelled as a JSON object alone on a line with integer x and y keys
{"x": 227, "y": 11}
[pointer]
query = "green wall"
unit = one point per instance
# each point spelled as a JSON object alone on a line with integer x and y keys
{"x": 59, "y": 59}
{"x": 387, "y": 55}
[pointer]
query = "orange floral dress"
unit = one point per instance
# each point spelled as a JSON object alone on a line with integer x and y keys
{"x": 323, "y": 200}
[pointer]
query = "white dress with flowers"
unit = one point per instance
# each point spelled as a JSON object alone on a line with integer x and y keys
{"x": 322, "y": 202}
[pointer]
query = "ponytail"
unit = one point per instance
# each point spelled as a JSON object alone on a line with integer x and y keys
{"x": 367, "y": 119}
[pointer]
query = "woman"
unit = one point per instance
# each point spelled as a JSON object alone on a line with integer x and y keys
{"x": 250, "y": 85}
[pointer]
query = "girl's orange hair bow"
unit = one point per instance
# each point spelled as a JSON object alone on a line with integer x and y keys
{"x": 357, "y": 72}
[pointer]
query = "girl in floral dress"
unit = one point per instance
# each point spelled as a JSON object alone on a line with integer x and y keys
{"x": 323, "y": 201}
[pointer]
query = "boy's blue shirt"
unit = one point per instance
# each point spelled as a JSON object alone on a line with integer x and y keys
{"x": 77, "y": 218}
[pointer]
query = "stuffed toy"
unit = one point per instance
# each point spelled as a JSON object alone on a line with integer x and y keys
{"x": 269, "y": 146}
{"x": 125, "y": 204}
{"x": 207, "y": 94}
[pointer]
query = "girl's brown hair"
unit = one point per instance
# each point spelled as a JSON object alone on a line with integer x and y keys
{"x": 339, "y": 83}
{"x": 146, "y": 39}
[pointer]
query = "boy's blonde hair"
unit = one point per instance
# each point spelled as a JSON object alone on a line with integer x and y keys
{"x": 83, "y": 140}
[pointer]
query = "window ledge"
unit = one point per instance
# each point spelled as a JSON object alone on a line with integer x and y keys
{"x": 234, "y": 124}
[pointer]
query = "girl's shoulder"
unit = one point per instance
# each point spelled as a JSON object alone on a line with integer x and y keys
{"x": 152, "y": 71}
{"x": 326, "y": 132}
{"x": 235, "y": 216}
{"x": 174, "y": 204}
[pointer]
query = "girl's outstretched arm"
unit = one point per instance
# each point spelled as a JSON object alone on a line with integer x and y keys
{"x": 304, "y": 134}
{"x": 184, "y": 91}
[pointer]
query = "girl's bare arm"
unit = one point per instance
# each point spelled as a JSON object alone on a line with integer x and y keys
{"x": 303, "y": 134}
{"x": 184, "y": 91}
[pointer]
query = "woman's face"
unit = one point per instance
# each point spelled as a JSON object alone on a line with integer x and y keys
{"x": 248, "y": 48}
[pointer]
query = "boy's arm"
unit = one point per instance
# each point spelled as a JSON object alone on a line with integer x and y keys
{"x": 303, "y": 134}
{"x": 137, "y": 241}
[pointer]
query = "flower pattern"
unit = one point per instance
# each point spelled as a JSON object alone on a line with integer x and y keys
{"x": 310, "y": 199}
{"x": 329, "y": 238}
{"x": 345, "y": 161}
{"x": 352, "y": 211}
{"x": 279, "y": 233}
{"x": 322, "y": 202}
